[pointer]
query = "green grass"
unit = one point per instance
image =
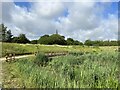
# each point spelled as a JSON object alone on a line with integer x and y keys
{"x": 89, "y": 70}
{"x": 22, "y": 49}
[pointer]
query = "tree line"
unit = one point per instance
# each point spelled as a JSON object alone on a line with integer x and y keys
{"x": 6, "y": 36}
{"x": 102, "y": 43}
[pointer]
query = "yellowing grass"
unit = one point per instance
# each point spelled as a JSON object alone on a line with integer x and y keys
{"x": 31, "y": 48}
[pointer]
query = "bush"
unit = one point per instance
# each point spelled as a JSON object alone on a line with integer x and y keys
{"x": 76, "y": 53}
{"x": 41, "y": 59}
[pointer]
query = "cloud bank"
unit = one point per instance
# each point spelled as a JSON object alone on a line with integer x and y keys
{"x": 78, "y": 20}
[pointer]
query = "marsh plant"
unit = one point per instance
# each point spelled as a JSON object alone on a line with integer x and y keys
{"x": 92, "y": 70}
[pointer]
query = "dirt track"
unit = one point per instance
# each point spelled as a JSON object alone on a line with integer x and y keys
{"x": 47, "y": 54}
{"x": 17, "y": 57}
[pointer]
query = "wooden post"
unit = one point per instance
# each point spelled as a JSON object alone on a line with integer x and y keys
{"x": 14, "y": 56}
{"x": 6, "y": 58}
{"x": 10, "y": 56}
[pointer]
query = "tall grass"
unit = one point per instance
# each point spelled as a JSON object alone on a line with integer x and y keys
{"x": 92, "y": 70}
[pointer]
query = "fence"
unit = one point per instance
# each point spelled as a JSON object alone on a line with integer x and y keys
{"x": 10, "y": 57}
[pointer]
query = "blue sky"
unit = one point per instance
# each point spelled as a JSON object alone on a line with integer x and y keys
{"x": 24, "y": 4}
{"x": 111, "y": 9}
{"x": 80, "y": 21}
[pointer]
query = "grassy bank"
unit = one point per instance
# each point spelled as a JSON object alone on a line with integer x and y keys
{"x": 22, "y": 49}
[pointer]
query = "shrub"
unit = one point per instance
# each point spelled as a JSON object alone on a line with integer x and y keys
{"x": 76, "y": 53}
{"x": 41, "y": 59}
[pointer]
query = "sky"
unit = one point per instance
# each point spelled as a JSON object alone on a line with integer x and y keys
{"x": 77, "y": 20}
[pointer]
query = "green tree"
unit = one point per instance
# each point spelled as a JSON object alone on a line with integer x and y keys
{"x": 76, "y": 42}
{"x": 44, "y": 39}
{"x": 34, "y": 42}
{"x": 53, "y": 39}
{"x": 8, "y": 36}
{"x": 15, "y": 40}
{"x": 70, "y": 41}
{"x": 0, "y": 32}
{"x": 5, "y": 35}
{"x": 88, "y": 43}
{"x": 3, "y": 30}
{"x": 57, "y": 39}
{"x": 22, "y": 39}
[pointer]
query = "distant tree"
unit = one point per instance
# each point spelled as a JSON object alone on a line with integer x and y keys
{"x": 57, "y": 39}
{"x": 88, "y": 43}
{"x": 76, "y": 42}
{"x": 6, "y": 35}
{"x": 63, "y": 37}
{"x": 0, "y": 32}
{"x": 118, "y": 42}
{"x": 53, "y": 39}
{"x": 20, "y": 39}
{"x": 70, "y": 41}
{"x": 34, "y": 42}
{"x": 101, "y": 43}
{"x": 3, "y": 32}
{"x": 15, "y": 40}
{"x": 44, "y": 39}
{"x": 114, "y": 43}
{"x": 23, "y": 39}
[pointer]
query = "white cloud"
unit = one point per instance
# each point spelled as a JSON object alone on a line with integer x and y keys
{"x": 81, "y": 23}
{"x": 48, "y": 9}
{"x": 81, "y": 16}
{"x": 0, "y": 12}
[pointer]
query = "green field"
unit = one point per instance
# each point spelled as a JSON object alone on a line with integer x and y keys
{"x": 21, "y": 49}
{"x": 84, "y": 67}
